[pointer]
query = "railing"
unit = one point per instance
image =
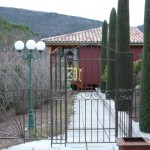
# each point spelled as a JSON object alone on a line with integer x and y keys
{"x": 80, "y": 74}
{"x": 74, "y": 74}
{"x": 50, "y": 117}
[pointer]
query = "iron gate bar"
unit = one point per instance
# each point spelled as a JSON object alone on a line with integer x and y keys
{"x": 60, "y": 84}
{"x": 51, "y": 89}
{"x": 47, "y": 116}
{"x": 56, "y": 100}
{"x": 66, "y": 122}
{"x": 97, "y": 120}
{"x": 79, "y": 120}
{"x": 24, "y": 103}
{"x": 91, "y": 121}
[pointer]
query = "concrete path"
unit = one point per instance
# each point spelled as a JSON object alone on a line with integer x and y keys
{"x": 96, "y": 116}
{"x": 93, "y": 114}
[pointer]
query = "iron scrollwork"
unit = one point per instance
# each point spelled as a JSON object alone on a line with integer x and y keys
{"x": 125, "y": 94}
{"x": 109, "y": 94}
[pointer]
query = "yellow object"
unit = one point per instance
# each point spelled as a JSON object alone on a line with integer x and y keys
{"x": 74, "y": 74}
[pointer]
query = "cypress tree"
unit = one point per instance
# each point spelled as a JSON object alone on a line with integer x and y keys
{"x": 144, "y": 121}
{"x": 110, "y": 84}
{"x": 103, "y": 53}
{"x": 123, "y": 55}
{"x": 123, "y": 41}
{"x": 123, "y": 45}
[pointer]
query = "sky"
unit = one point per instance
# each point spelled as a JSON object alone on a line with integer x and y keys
{"x": 91, "y": 9}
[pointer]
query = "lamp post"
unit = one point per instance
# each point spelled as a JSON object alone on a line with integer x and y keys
{"x": 31, "y": 45}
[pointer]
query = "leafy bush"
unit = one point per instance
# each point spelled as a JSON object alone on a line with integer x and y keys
{"x": 104, "y": 75}
{"x": 137, "y": 66}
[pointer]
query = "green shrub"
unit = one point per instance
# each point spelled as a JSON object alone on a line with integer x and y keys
{"x": 144, "y": 113}
{"x": 104, "y": 75}
{"x": 137, "y": 66}
{"x": 103, "y": 54}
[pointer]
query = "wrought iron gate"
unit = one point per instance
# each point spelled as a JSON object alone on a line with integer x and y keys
{"x": 91, "y": 116}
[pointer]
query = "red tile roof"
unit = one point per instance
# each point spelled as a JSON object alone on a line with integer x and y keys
{"x": 136, "y": 36}
{"x": 91, "y": 36}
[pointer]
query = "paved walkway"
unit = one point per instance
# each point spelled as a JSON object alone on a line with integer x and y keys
{"x": 82, "y": 120}
{"x": 96, "y": 116}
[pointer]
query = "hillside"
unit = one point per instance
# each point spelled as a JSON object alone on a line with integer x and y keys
{"x": 141, "y": 28}
{"x": 9, "y": 33}
{"x": 47, "y": 24}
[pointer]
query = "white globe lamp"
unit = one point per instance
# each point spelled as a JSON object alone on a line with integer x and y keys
{"x": 31, "y": 44}
{"x": 19, "y": 45}
{"x": 40, "y": 46}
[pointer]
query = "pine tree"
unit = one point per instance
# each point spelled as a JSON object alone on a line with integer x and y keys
{"x": 103, "y": 53}
{"x": 110, "y": 84}
{"x": 144, "y": 121}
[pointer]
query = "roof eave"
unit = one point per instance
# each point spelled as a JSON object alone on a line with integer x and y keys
{"x": 136, "y": 44}
{"x": 82, "y": 43}
{"x": 72, "y": 43}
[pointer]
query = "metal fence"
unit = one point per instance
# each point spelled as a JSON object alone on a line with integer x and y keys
{"x": 14, "y": 116}
{"x": 81, "y": 115}
{"x": 135, "y": 104}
